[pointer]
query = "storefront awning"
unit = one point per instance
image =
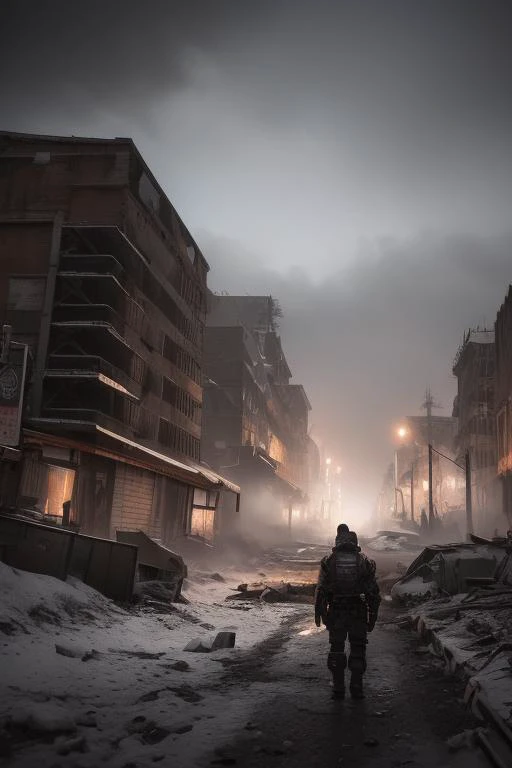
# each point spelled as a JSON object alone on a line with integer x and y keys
{"x": 131, "y": 452}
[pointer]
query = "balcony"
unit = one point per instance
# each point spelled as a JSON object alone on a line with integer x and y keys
{"x": 97, "y": 290}
{"x": 90, "y": 402}
{"x": 86, "y": 366}
{"x": 93, "y": 263}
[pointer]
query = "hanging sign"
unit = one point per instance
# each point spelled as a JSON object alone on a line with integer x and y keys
{"x": 12, "y": 385}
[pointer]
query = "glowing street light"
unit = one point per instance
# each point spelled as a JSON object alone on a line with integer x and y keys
{"x": 328, "y": 461}
{"x": 401, "y": 431}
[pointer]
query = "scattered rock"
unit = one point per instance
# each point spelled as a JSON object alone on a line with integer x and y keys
{"x": 94, "y": 655}
{"x": 217, "y": 577}
{"x": 142, "y": 654}
{"x": 287, "y": 743}
{"x": 70, "y": 652}
{"x": 182, "y": 729}
{"x": 65, "y": 746}
{"x": 462, "y": 740}
{"x": 155, "y": 734}
{"x": 180, "y": 666}
{"x": 224, "y": 640}
{"x": 371, "y": 742}
{"x": 198, "y": 645}
{"x": 187, "y": 693}
{"x": 250, "y": 726}
{"x": 138, "y": 724}
{"x": 151, "y": 696}
{"x": 207, "y": 626}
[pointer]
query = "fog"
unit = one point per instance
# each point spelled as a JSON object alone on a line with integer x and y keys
{"x": 350, "y": 158}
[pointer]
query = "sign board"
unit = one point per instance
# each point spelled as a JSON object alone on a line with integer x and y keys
{"x": 12, "y": 385}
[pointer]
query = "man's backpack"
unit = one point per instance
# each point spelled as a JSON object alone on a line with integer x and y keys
{"x": 345, "y": 573}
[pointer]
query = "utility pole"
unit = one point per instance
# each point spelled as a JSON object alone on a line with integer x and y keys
{"x": 430, "y": 490}
{"x": 428, "y": 405}
{"x": 412, "y": 493}
{"x": 469, "y": 505}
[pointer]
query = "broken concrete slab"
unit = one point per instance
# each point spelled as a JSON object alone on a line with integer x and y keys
{"x": 198, "y": 645}
{"x": 224, "y": 640}
{"x": 70, "y": 651}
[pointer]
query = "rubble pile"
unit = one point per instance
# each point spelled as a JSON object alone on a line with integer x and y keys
{"x": 472, "y": 632}
{"x": 275, "y": 592}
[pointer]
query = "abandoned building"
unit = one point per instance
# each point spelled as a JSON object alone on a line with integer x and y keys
{"x": 255, "y": 422}
{"x": 103, "y": 285}
{"x": 503, "y": 331}
{"x": 474, "y": 367}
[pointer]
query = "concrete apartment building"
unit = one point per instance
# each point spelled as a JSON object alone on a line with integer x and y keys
{"x": 474, "y": 408}
{"x": 103, "y": 282}
{"x": 503, "y": 341}
{"x": 255, "y": 422}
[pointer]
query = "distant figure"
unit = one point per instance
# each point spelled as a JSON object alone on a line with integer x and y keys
{"x": 347, "y": 601}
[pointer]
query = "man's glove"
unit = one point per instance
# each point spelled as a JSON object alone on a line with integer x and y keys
{"x": 372, "y": 618}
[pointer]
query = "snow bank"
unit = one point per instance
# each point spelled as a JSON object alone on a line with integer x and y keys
{"x": 31, "y": 599}
{"x": 117, "y": 686}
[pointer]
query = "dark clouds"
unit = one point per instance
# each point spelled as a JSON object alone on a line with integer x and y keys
{"x": 309, "y": 146}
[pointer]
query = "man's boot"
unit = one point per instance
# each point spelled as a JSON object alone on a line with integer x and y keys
{"x": 356, "y": 685}
{"x": 337, "y": 661}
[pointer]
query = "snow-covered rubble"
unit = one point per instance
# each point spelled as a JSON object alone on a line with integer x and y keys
{"x": 473, "y": 632}
{"x": 84, "y": 681}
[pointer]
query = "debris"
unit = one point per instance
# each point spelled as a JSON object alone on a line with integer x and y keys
{"x": 371, "y": 742}
{"x": 155, "y": 735}
{"x": 224, "y": 640}
{"x": 65, "y": 746}
{"x": 70, "y": 652}
{"x": 464, "y": 740}
{"x": 151, "y": 696}
{"x": 187, "y": 693}
{"x": 44, "y": 717}
{"x": 217, "y": 577}
{"x": 182, "y": 729}
{"x": 207, "y": 626}
{"x": 180, "y": 666}
{"x": 93, "y": 654}
{"x": 198, "y": 645}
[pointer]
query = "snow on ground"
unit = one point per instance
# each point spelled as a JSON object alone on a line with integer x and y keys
{"x": 386, "y": 543}
{"x": 121, "y": 689}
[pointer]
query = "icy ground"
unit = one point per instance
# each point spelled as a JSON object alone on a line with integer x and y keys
{"x": 84, "y": 682}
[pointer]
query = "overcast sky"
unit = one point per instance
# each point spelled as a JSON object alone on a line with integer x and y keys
{"x": 352, "y": 158}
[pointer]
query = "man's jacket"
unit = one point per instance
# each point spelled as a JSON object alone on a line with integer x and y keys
{"x": 345, "y": 576}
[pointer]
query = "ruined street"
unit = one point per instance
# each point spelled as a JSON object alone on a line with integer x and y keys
{"x": 410, "y": 712}
{"x": 86, "y": 682}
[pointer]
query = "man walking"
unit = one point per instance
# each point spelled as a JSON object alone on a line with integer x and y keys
{"x": 347, "y": 601}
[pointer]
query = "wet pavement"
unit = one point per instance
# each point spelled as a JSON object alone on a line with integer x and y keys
{"x": 410, "y": 710}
